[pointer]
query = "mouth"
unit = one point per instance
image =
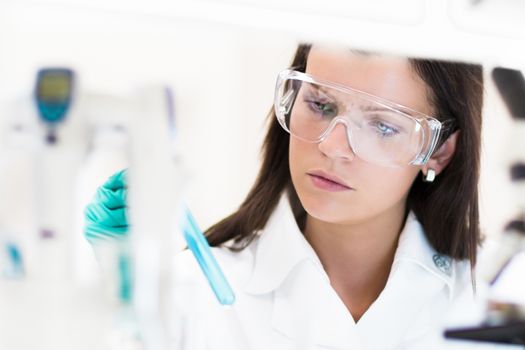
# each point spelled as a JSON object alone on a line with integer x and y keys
{"x": 327, "y": 181}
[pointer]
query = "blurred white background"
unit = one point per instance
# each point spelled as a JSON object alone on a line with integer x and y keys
{"x": 221, "y": 58}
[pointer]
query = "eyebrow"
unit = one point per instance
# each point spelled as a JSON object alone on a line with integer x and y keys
{"x": 383, "y": 109}
{"x": 322, "y": 89}
{"x": 371, "y": 108}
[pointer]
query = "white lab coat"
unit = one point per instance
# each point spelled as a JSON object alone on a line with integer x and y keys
{"x": 284, "y": 299}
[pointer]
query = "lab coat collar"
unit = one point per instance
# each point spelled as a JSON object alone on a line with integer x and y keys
{"x": 413, "y": 247}
{"x": 282, "y": 246}
{"x": 307, "y": 309}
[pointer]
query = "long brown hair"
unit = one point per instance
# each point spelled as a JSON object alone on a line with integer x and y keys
{"x": 446, "y": 208}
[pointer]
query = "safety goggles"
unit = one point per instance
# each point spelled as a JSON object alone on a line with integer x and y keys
{"x": 378, "y": 131}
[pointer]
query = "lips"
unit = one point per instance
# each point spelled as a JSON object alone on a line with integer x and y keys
{"x": 329, "y": 177}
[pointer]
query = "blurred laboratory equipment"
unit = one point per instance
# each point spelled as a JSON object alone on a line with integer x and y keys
{"x": 53, "y": 95}
{"x": 43, "y": 144}
{"x": 155, "y": 176}
{"x": 66, "y": 135}
{"x": 159, "y": 231}
{"x": 504, "y": 267}
{"x": 54, "y": 140}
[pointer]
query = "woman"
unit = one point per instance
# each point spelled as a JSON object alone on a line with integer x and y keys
{"x": 341, "y": 243}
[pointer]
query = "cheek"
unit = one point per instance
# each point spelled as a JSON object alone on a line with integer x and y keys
{"x": 298, "y": 155}
{"x": 386, "y": 190}
{"x": 380, "y": 190}
{"x": 387, "y": 187}
{"x": 303, "y": 157}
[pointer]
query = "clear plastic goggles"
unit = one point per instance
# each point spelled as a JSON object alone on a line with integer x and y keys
{"x": 379, "y": 131}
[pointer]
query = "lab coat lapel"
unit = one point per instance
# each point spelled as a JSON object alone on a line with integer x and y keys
{"x": 308, "y": 311}
{"x": 418, "y": 275}
{"x": 280, "y": 247}
{"x": 386, "y": 322}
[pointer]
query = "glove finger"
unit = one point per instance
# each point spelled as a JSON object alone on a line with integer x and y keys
{"x": 101, "y": 215}
{"x": 117, "y": 180}
{"x": 111, "y": 199}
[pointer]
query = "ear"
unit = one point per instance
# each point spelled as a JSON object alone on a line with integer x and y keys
{"x": 443, "y": 155}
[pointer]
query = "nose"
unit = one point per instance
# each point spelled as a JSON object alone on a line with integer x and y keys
{"x": 336, "y": 144}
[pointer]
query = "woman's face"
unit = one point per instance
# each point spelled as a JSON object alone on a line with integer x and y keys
{"x": 372, "y": 190}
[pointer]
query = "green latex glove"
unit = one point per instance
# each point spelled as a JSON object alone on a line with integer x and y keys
{"x": 105, "y": 216}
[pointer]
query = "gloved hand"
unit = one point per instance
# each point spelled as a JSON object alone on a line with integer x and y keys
{"x": 105, "y": 216}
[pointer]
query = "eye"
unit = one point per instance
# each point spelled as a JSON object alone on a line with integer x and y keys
{"x": 384, "y": 129}
{"x": 326, "y": 109}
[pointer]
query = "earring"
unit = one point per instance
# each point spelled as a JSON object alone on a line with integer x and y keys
{"x": 430, "y": 176}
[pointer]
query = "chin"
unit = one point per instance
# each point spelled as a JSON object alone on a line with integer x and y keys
{"x": 325, "y": 207}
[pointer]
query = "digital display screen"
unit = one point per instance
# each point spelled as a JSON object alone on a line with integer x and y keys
{"x": 54, "y": 87}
